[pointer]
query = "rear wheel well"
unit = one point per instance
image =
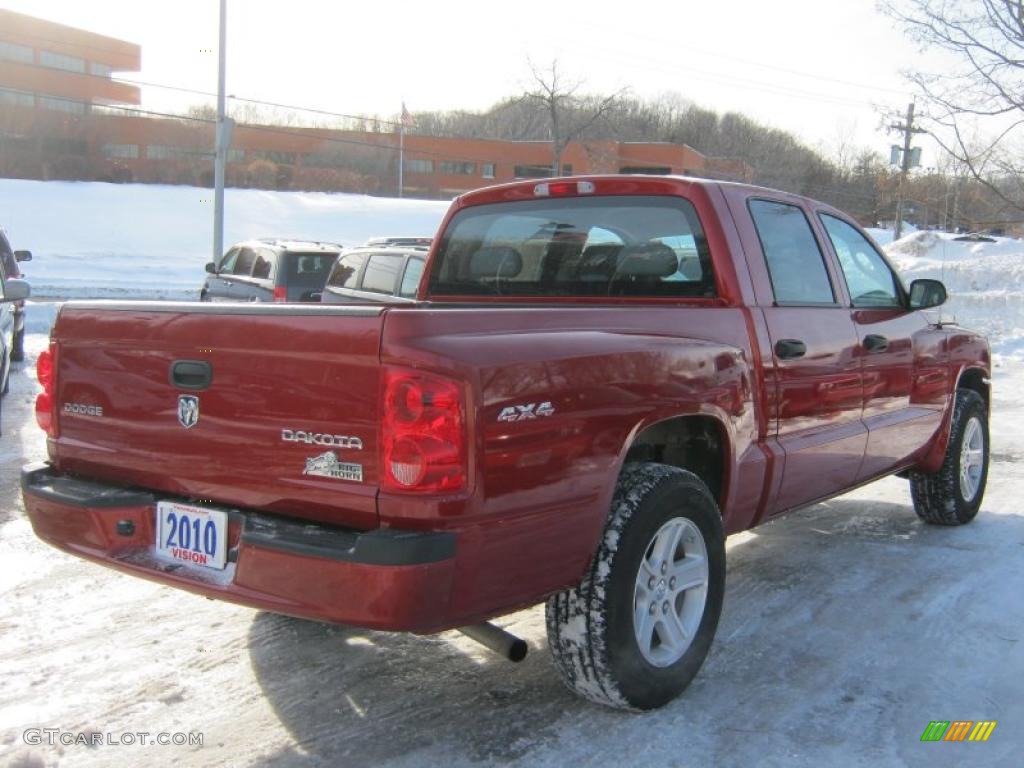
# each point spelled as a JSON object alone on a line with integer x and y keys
{"x": 975, "y": 380}
{"x": 693, "y": 443}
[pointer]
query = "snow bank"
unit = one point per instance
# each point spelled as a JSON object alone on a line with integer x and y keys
{"x": 91, "y": 239}
{"x": 985, "y": 282}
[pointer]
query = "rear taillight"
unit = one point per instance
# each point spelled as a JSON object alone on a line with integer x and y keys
{"x": 46, "y": 403}
{"x": 280, "y": 293}
{"x": 423, "y": 433}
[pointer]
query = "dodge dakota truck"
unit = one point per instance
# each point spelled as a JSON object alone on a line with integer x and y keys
{"x": 601, "y": 379}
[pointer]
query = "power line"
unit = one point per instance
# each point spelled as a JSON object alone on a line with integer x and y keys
{"x": 759, "y": 64}
{"x": 198, "y": 92}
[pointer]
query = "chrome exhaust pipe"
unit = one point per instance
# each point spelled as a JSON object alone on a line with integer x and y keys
{"x": 497, "y": 639}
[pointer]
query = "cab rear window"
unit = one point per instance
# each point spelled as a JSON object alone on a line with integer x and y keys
{"x": 605, "y": 246}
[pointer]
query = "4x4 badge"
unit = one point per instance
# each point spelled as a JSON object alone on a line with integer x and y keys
{"x": 188, "y": 410}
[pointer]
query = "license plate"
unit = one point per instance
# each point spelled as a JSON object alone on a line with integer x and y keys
{"x": 193, "y": 535}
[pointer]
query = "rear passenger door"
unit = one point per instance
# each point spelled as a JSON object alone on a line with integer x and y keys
{"x": 343, "y": 282}
{"x": 815, "y": 384}
{"x": 259, "y": 284}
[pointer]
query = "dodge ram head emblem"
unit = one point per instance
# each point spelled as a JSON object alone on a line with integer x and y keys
{"x": 188, "y": 410}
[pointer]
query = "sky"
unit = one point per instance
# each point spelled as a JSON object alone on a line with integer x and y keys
{"x": 827, "y": 71}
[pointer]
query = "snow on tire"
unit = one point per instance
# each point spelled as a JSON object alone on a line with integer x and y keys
{"x": 636, "y": 630}
{"x": 952, "y": 495}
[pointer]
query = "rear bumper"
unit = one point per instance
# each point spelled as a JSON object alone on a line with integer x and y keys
{"x": 381, "y": 579}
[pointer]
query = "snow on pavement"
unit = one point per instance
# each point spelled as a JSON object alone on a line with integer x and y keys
{"x": 847, "y": 627}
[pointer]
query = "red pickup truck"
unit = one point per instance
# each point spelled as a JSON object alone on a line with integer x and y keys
{"x": 602, "y": 378}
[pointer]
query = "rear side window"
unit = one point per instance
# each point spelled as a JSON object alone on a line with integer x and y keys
{"x": 264, "y": 264}
{"x": 795, "y": 262}
{"x": 346, "y": 270}
{"x": 411, "y": 279}
{"x": 381, "y": 275}
{"x": 580, "y": 246}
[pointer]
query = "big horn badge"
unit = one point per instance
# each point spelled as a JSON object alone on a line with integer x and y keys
{"x": 188, "y": 410}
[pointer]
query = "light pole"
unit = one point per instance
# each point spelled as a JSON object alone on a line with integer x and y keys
{"x": 222, "y": 140}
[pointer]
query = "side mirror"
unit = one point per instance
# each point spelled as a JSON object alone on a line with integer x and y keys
{"x": 16, "y": 290}
{"x": 23, "y": 255}
{"x": 211, "y": 268}
{"x": 316, "y": 296}
{"x": 925, "y": 294}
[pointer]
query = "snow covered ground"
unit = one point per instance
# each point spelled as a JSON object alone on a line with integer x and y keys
{"x": 94, "y": 240}
{"x": 847, "y": 627}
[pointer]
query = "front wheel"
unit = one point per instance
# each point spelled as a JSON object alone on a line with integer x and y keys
{"x": 637, "y": 629}
{"x": 952, "y": 495}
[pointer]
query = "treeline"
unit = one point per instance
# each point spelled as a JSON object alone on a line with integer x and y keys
{"x": 857, "y": 180}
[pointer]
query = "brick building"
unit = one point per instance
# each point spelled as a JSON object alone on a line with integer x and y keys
{"x": 63, "y": 115}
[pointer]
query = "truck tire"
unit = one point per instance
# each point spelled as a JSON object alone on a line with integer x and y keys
{"x": 952, "y": 495}
{"x": 18, "y": 347}
{"x": 635, "y": 631}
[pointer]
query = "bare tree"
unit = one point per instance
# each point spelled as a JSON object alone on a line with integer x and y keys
{"x": 986, "y": 39}
{"x": 570, "y": 114}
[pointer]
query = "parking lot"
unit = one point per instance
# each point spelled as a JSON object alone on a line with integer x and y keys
{"x": 848, "y": 626}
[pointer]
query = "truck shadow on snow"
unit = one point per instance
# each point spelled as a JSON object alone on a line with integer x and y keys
{"x": 831, "y": 615}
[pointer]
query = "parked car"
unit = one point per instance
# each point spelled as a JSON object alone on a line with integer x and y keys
{"x": 270, "y": 270}
{"x": 400, "y": 242}
{"x": 375, "y": 275}
{"x": 13, "y": 291}
{"x": 602, "y": 378}
{"x": 10, "y": 259}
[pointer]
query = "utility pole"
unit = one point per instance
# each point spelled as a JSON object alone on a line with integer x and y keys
{"x": 401, "y": 156}
{"x": 908, "y": 130}
{"x": 222, "y": 140}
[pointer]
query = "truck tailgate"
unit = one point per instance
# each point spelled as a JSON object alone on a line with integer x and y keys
{"x": 287, "y": 421}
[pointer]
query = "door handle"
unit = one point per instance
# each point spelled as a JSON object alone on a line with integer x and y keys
{"x": 790, "y": 349}
{"x": 191, "y": 374}
{"x": 875, "y": 343}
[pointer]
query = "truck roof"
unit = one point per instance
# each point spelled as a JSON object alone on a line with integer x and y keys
{"x": 606, "y": 184}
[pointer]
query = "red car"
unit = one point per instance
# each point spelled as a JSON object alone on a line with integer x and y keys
{"x": 601, "y": 379}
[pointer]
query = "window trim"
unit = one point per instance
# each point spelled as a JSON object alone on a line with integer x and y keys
{"x": 904, "y": 294}
{"x": 822, "y": 253}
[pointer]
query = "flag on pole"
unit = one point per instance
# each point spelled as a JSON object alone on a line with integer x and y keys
{"x": 407, "y": 118}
